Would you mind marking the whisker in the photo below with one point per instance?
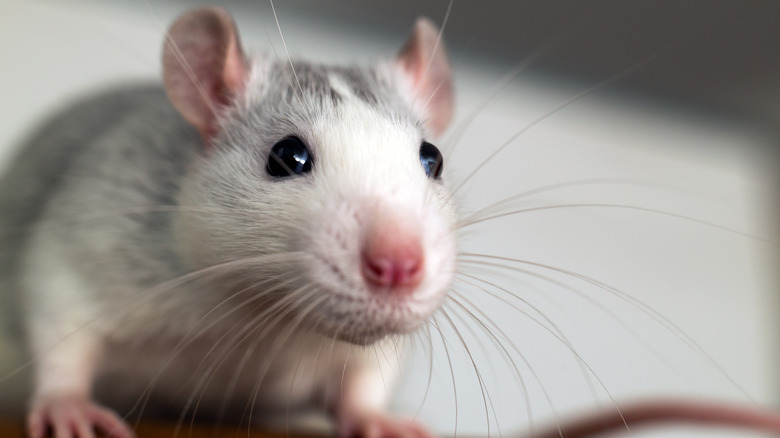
(430, 370)
(284, 44)
(281, 340)
(457, 134)
(140, 209)
(292, 385)
(456, 300)
(574, 183)
(343, 376)
(435, 49)
(252, 326)
(435, 324)
(454, 66)
(135, 301)
(496, 343)
(561, 339)
(259, 333)
(381, 373)
(189, 71)
(580, 294)
(623, 207)
(480, 380)
(568, 344)
(595, 303)
(255, 322)
(648, 310)
(462, 297)
(577, 97)
(279, 58)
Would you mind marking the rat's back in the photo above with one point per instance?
(63, 149)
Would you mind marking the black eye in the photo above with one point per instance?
(289, 157)
(431, 160)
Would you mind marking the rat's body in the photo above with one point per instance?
(234, 242)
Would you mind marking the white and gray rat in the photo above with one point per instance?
(237, 237)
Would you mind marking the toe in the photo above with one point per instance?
(109, 422)
(36, 424)
(60, 424)
(83, 427)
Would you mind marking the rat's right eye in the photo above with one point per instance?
(289, 157)
(431, 160)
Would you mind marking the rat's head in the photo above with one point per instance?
(321, 187)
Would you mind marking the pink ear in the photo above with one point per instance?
(430, 73)
(203, 66)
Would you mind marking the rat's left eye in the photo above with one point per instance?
(289, 157)
(431, 160)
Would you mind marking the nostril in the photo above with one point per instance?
(393, 266)
(409, 271)
(377, 270)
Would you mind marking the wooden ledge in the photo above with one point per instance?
(13, 428)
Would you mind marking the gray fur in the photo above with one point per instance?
(69, 151)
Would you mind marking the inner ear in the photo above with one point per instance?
(425, 63)
(204, 66)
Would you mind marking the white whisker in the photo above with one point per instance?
(485, 395)
(284, 45)
(577, 97)
(648, 310)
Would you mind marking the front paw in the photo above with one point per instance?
(70, 416)
(378, 425)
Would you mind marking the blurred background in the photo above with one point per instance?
(688, 124)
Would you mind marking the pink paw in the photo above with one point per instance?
(74, 417)
(375, 425)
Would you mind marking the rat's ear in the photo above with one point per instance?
(203, 66)
(431, 77)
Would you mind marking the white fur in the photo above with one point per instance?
(372, 168)
(295, 242)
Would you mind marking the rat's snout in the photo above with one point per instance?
(383, 262)
(392, 257)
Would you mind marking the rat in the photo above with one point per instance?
(299, 210)
(256, 234)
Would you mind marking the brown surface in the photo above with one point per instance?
(15, 429)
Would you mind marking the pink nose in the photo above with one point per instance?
(392, 261)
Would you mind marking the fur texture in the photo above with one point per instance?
(148, 259)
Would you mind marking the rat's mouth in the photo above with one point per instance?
(369, 320)
(363, 339)
(356, 308)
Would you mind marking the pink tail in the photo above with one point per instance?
(666, 412)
